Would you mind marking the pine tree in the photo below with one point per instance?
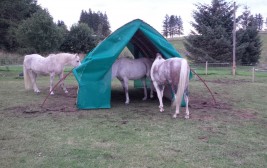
(259, 21)
(212, 38)
(165, 31)
(248, 39)
(179, 26)
(172, 23)
(97, 21)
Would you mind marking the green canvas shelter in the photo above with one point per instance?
(94, 74)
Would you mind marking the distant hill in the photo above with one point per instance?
(178, 44)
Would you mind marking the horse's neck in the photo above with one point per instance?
(63, 60)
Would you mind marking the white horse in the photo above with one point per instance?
(175, 72)
(126, 69)
(52, 65)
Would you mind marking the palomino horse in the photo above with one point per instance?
(52, 65)
(126, 69)
(175, 72)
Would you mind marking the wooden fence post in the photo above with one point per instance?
(206, 67)
(253, 74)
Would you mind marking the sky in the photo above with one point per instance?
(120, 12)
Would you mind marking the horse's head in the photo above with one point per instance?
(76, 61)
(159, 59)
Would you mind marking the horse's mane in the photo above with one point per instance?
(60, 56)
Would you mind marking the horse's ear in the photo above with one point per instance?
(158, 55)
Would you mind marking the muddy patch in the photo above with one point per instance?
(201, 109)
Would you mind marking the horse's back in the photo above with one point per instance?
(32, 59)
(32, 56)
(168, 71)
(37, 63)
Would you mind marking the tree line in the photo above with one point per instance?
(211, 39)
(172, 25)
(25, 27)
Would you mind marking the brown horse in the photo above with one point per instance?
(175, 72)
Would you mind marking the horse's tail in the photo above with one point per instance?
(27, 79)
(182, 82)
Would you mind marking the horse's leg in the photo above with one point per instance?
(151, 89)
(125, 83)
(162, 91)
(177, 111)
(33, 80)
(145, 89)
(52, 76)
(186, 97)
(61, 75)
(159, 93)
(125, 90)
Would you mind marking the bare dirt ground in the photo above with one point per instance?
(200, 109)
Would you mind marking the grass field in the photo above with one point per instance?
(232, 133)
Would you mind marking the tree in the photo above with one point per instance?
(98, 22)
(172, 23)
(259, 21)
(248, 40)
(179, 26)
(12, 13)
(243, 20)
(81, 39)
(212, 38)
(166, 26)
(172, 26)
(39, 34)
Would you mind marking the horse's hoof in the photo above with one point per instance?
(126, 103)
(144, 98)
(66, 92)
(174, 116)
(161, 110)
(52, 93)
(186, 117)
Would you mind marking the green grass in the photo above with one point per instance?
(230, 134)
